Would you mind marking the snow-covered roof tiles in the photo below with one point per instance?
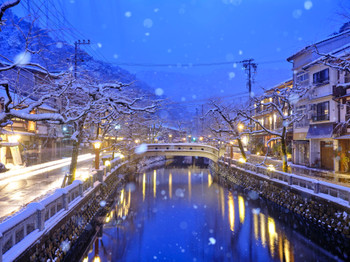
(343, 51)
(347, 32)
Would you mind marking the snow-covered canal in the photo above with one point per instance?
(181, 215)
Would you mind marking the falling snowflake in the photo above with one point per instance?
(212, 241)
(159, 92)
(128, 14)
(297, 13)
(115, 56)
(99, 45)
(148, 23)
(240, 52)
(65, 246)
(22, 58)
(231, 75)
(141, 149)
(59, 45)
(130, 187)
(103, 203)
(307, 5)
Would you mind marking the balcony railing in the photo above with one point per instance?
(320, 117)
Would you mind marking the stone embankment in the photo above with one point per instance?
(325, 215)
(66, 240)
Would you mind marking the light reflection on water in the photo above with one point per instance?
(181, 215)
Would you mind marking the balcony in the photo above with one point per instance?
(320, 117)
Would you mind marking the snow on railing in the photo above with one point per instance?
(329, 191)
(37, 216)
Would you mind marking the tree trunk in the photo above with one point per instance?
(241, 148)
(284, 151)
(75, 152)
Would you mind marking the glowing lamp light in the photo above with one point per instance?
(201, 138)
(97, 145)
(107, 163)
(170, 135)
(258, 153)
(271, 168)
(240, 127)
(14, 138)
(137, 141)
(242, 160)
(245, 140)
(97, 259)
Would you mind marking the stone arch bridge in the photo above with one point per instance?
(183, 149)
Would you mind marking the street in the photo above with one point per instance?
(25, 185)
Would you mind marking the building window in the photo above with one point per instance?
(322, 112)
(302, 78)
(301, 111)
(347, 77)
(321, 77)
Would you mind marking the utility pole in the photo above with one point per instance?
(76, 44)
(249, 65)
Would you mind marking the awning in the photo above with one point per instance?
(320, 131)
(343, 137)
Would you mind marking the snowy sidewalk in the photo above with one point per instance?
(320, 174)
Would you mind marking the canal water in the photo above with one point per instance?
(181, 215)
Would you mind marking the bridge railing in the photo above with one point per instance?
(183, 147)
(332, 192)
(39, 215)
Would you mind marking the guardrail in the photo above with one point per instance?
(332, 192)
(36, 217)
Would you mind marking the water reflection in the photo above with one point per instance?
(201, 221)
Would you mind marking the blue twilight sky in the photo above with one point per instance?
(180, 34)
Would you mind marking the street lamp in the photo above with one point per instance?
(170, 137)
(97, 146)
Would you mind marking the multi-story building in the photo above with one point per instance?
(270, 119)
(313, 137)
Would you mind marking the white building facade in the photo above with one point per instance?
(314, 140)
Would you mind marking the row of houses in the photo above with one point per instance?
(322, 138)
(27, 142)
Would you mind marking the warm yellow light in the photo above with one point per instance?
(231, 211)
(184, 139)
(86, 259)
(84, 175)
(121, 156)
(97, 259)
(242, 160)
(271, 168)
(170, 135)
(245, 140)
(137, 141)
(108, 219)
(120, 138)
(258, 153)
(14, 138)
(201, 138)
(189, 135)
(97, 145)
(241, 208)
(231, 142)
(107, 163)
(240, 127)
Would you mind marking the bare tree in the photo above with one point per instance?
(230, 123)
(7, 5)
(278, 101)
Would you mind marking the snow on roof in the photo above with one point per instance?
(338, 53)
(317, 43)
(15, 98)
